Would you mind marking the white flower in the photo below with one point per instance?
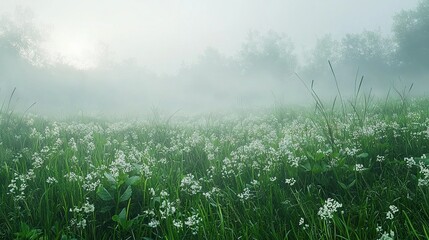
(328, 209)
(245, 195)
(387, 236)
(272, 179)
(190, 185)
(177, 223)
(410, 161)
(192, 222)
(290, 181)
(254, 182)
(51, 180)
(153, 223)
(303, 224)
(391, 212)
(359, 167)
(380, 158)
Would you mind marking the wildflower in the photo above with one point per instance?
(245, 195)
(424, 172)
(164, 194)
(192, 222)
(51, 180)
(254, 182)
(359, 167)
(328, 209)
(272, 179)
(78, 224)
(73, 177)
(380, 158)
(303, 224)
(167, 209)
(409, 161)
(351, 151)
(391, 212)
(37, 160)
(72, 144)
(387, 236)
(177, 223)
(290, 181)
(153, 223)
(190, 185)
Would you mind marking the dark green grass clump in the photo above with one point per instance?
(358, 173)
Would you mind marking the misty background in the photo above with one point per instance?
(200, 56)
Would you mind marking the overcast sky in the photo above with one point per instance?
(161, 35)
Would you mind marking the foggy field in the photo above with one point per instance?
(300, 173)
(199, 119)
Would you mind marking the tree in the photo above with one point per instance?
(20, 39)
(270, 55)
(411, 30)
(369, 50)
(326, 48)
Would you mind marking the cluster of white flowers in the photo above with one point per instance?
(85, 208)
(73, 177)
(290, 181)
(380, 158)
(387, 236)
(232, 167)
(177, 223)
(193, 223)
(153, 223)
(168, 208)
(254, 182)
(81, 214)
(424, 175)
(190, 185)
(51, 180)
(328, 209)
(91, 182)
(214, 192)
(120, 164)
(245, 195)
(303, 224)
(351, 152)
(74, 222)
(19, 184)
(37, 160)
(410, 161)
(359, 167)
(72, 144)
(390, 214)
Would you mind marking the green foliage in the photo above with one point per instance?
(335, 172)
(412, 36)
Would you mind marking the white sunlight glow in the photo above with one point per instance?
(77, 51)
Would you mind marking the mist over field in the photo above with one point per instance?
(197, 119)
(130, 58)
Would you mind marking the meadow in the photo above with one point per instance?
(356, 170)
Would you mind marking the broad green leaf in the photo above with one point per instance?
(104, 194)
(126, 195)
(132, 180)
(106, 209)
(342, 185)
(352, 184)
(362, 155)
(110, 178)
(123, 214)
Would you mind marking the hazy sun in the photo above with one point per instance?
(76, 51)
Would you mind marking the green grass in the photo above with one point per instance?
(233, 177)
